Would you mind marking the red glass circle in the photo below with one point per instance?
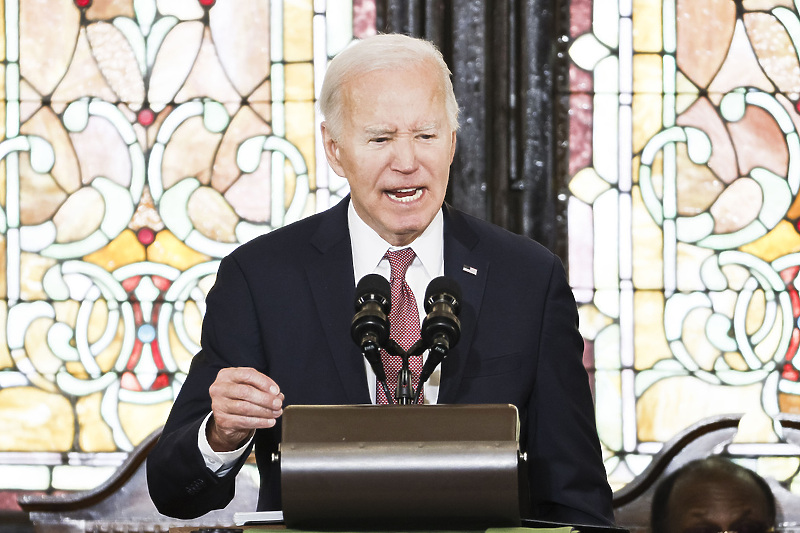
(83, 3)
(146, 236)
(146, 117)
(207, 3)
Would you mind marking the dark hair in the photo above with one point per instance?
(658, 512)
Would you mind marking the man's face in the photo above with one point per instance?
(395, 150)
(706, 502)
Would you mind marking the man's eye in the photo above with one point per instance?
(427, 136)
(380, 140)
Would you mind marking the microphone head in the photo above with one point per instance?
(442, 288)
(376, 288)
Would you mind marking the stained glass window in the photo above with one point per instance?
(683, 220)
(142, 140)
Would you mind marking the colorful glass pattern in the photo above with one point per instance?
(142, 140)
(683, 220)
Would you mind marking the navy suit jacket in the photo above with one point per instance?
(283, 304)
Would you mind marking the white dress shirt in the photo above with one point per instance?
(368, 251)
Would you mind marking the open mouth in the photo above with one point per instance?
(405, 195)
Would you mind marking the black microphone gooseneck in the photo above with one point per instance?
(370, 326)
(441, 328)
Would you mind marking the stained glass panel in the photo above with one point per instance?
(687, 184)
(142, 141)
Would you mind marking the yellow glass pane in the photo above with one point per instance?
(32, 269)
(3, 270)
(646, 26)
(66, 311)
(650, 344)
(3, 34)
(123, 250)
(690, 260)
(298, 34)
(139, 421)
(647, 247)
(38, 350)
(698, 186)
(108, 357)
(171, 251)
(647, 116)
(592, 321)
(695, 341)
(32, 420)
(299, 82)
(673, 404)
(300, 130)
(94, 435)
(781, 240)
(647, 74)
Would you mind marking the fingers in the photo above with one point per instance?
(242, 400)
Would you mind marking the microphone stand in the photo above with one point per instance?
(404, 393)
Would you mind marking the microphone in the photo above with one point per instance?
(370, 326)
(441, 328)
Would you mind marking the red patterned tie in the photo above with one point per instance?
(403, 321)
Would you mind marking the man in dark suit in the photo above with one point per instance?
(277, 325)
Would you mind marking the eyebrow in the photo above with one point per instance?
(379, 130)
(384, 130)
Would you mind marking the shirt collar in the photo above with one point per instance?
(369, 248)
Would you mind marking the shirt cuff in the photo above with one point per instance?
(220, 463)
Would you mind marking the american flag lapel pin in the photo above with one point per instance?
(470, 270)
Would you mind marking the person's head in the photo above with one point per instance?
(712, 495)
(390, 129)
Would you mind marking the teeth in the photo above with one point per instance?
(406, 195)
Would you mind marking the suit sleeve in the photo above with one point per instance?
(567, 477)
(179, 483)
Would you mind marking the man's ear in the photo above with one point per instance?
(331, 150)
(452, 146)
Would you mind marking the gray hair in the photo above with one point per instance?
(379, 52)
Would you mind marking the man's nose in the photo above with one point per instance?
(405, 156)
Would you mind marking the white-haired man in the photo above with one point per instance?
(277, 326)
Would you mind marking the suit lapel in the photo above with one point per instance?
(470, 269)
(333, 285)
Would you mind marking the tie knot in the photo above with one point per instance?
(399, 261)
